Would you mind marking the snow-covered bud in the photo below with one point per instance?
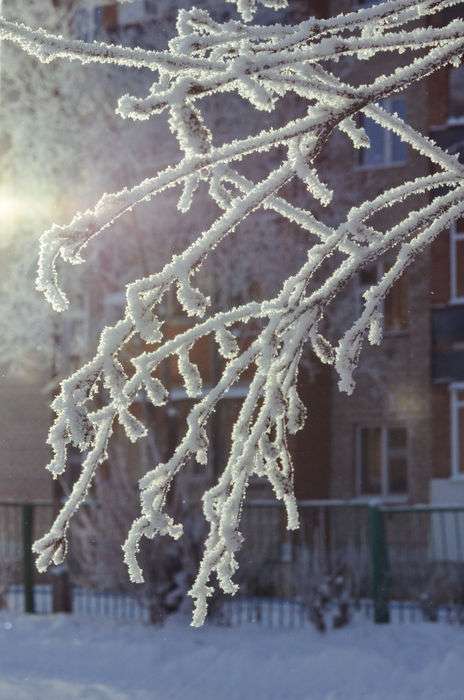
(155, 479)
(357, 134)
(60, 553)
(187, 123)
(228, 345)
(296, 412)
(348, 353)
(49, 548)
(57, 465)
(81, 430)
(148, 325)
(323, 349)
(115, 377)
(192, 300)
(259, 465)
(190, 374)
(133, 427)
(279, 406)
(268, 449)
(376, 328)
(190, 187)
(315, 186)
(156, 391)
(291, 509)
(259, 95)
(201, 446)
(247, 8)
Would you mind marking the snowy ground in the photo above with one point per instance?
(59, 658)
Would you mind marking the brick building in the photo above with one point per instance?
(399, 436)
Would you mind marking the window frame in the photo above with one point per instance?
(455, 406)
(455, 235)
(385, 494)
(388, 137)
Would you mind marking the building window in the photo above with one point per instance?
(386, 148)
(382, 462)
(395, 306)
(457, 262)
(85, 23)
(456, 94)
(457, 430)
(133, 13)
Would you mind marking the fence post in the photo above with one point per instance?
(28, 562)
(379, 564)
(61, 591)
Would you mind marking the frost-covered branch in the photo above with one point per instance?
(262, 64)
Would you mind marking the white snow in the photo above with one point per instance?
(58, 657)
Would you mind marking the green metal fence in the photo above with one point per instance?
(387, 561)
(20, 524)
(402, 562)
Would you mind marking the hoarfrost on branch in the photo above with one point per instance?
(261, 64)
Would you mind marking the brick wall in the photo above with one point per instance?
(393, 381)
(24, 423)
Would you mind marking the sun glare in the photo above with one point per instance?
(11, 209)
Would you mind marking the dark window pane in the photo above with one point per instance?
(459, 262)
(456, 92)
(386, 147)
(368, 276)
(371, 461)
(399, 150)
(375, 155)
(397, 438)
(398, 475)
(461, 440)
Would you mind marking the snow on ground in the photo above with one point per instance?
(59, 658)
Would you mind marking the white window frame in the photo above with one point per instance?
(455, 406)
(388, 137)
(385, 495)
(454, 237)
